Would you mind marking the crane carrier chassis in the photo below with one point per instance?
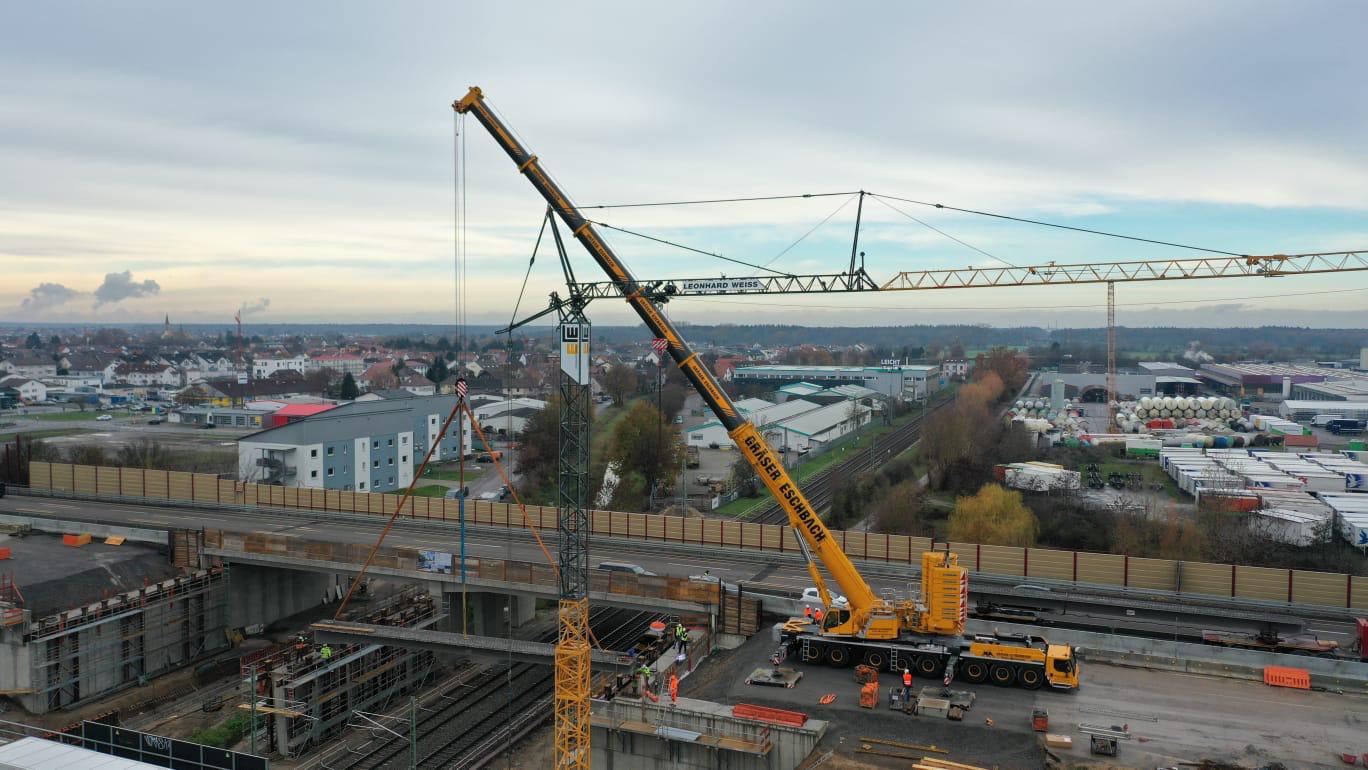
(1004, 660)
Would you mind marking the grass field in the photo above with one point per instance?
(1148, 469)
(7, 433)
(451, 472)
(70, 416)
(431, 490)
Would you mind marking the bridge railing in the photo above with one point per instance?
(1187, 577)
(501, 570)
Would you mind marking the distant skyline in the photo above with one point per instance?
(296, 162)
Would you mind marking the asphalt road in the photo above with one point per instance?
(1172, 717)
(1075, 609)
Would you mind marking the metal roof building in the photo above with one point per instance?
(40, 754)
(894, 381)
(367, 446)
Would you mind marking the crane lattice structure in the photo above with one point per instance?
(867, 616)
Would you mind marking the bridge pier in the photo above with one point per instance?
(267, 594)
(489, 613)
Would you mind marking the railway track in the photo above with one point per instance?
(490, 710)
(821, 486)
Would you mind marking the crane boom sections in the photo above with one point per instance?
(802, 516)
(1145, 270)
(987, 277)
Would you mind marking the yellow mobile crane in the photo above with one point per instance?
(925, 633)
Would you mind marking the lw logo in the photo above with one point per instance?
(570, 339)
(1363, 537)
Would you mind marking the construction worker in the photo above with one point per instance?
(907, 686)
(681, 639)
(674, 688)
(643, 679)
(807, 612)
(325, 653)
(817, 616)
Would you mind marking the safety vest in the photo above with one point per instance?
(817, 614)
(907, 679)
(807, 612)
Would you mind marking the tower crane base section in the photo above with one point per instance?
(775, 677)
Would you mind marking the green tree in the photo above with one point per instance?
(899, 511)
(995, 515)
(33, 341)
(87, 454)
(644, 445)
(538, 456)
(437, 370)
(145, 453)
(348, 390)
(620, 381)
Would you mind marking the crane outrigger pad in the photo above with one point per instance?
(775, 676)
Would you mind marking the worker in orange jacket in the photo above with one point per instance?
(907, 685)
(674, 688)
(807, 611)
(817, 616)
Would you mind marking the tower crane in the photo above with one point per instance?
(926, 632)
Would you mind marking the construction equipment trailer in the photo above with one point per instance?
(926, 632)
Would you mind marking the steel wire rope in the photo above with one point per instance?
(1042, 223)
(933, 228)
(814, 229)
(690, 248)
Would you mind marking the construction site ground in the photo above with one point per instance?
(1173, 718)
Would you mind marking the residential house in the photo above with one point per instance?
(417, 384)
(93, 364)
(30, 391)
(32, 364)
(342, 363)
(148, 375)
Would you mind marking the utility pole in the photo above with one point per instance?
(413, 733)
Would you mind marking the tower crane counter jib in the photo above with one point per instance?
(925, 634)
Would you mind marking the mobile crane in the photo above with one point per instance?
(926, 632)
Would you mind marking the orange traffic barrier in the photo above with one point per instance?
(76, 541)
(4, 553)
(767, 714)
(1282, 676)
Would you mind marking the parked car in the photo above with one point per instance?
(490, 497)
(812, 596)
(207, 426)
(457, 494)
(104, 417)
(622, 566)
(155, 421)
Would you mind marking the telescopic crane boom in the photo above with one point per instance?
(866, 609)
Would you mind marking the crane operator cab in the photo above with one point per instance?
(1062, 668)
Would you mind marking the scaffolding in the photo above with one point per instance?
(311, 698)
(121, 641)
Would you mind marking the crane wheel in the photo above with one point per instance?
(974, 671)
(811, 654)
(1030, 678)
(1002, 676)
(838, 656)
(875, 658)
(927, 665)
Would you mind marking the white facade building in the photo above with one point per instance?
(265, 367)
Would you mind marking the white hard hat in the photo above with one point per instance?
(904, 671)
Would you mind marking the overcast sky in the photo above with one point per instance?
(296, 159)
